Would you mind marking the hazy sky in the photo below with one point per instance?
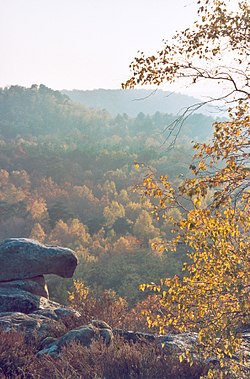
(82, 44)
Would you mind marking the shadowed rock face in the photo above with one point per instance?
(36, 286)
(16, 300)
(22, 258)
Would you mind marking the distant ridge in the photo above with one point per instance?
(135, 101)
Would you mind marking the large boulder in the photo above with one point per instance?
(17, 300)
(36, 286)
(22, 258)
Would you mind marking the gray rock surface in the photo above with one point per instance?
(84, 335)
(16, 300)
(36, 285)
(32, 324)
(132, 336)
(180, 342)
(105, 331)
(58, 313)
(22, 258)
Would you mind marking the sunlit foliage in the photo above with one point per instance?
(212, 298)
(66, 180)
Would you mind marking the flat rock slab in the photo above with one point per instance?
(32, 325)
(58, 314)
(22, 258)
(16, 300)
(36, 285)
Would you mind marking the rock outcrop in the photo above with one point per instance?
(36, 286)
(22, 258)
(23, 264)
(31, 325)
(16, 300)
(25, 304)
(84, 335)
(24, 297)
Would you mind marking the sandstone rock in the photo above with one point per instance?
(46, 342)
(22, 258)
(32, 325)
(100, 324)
(46, 304)
(41, 321)
(49, 313)
(132, 336)
(36, 285)
(84, 335)
(58, 313)
(51, 350)
(105, 331)
(107, 336)
(180, 342)
(16, 300)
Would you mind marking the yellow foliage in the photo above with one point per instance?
(212, 298)
(79, 293)
(38, 233)
(113, 212)
(37, 207)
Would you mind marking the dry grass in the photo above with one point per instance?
(121, 360)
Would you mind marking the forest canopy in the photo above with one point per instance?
(68, 175)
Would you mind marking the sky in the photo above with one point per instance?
(83, 44)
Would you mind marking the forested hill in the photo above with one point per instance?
(67, 177)
(40, 111)
(134, 101)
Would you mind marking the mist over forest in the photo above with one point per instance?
(134, 101)
(68, 177)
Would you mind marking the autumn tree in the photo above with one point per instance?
(144, 228)
(37, 207)
(38, 233)
(113, 212)
(72, 234)
(212, 298)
